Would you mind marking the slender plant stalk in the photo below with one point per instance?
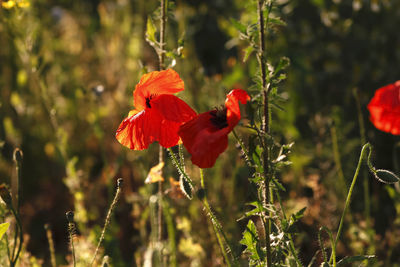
(333, 255)
(171, 233)
(20, 235)
(363, 139)
(108, 218)
(163, 21)
(210, 213)
(49, 235)
(265, 126)
(350, 193)
(161, 56)
(216, 225)
(71, 232)
(180, 167)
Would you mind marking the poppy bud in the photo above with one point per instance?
(5, 195)
(386, 176)
(201, 193)
(120, 182)
(18, 155)
(70, 216)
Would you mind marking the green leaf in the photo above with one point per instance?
(250, 240)
(151, 31)
(239, 26)
(386, 176)
(257, 210)
(284, 62)
(276, 21)
(294, 220)
(3, 228)
(247, 52)
(347, 260)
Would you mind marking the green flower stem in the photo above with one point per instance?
(333, 255)
(265, 122)
(180, 168)
(214, 222)
(349, 194)
(161, 56)
(367, 199)
(21, 237)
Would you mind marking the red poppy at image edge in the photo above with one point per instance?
(384, 108)
(206, 136)
(157, 114)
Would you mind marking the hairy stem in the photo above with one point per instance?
(108, 218)
(161, 56)
(221, 237)
(163, 21)
(213, 222)
(265, 126)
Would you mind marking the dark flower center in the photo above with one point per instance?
(218, 118)
(148, 100)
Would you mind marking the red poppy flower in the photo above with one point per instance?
(384, 108)
(157, 114)
(206, 135)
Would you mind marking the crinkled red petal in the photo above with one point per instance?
(139, 131)
(232, 106)
(384, 109)
(203, 140)
(156, 83)
(173, 108)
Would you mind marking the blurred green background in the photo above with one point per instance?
(67, 73)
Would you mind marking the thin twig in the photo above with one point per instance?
(108, 218)
(49, 235)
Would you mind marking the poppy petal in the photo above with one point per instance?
(145, 127)
(138, 131)
(232, 105)
(156, 83)
(203, 140)
(173, 108)
(384, 109)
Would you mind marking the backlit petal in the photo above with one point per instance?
(173, 108)
(384, 109)
(203, 140)
(138, 131)
(232, 105)
(156, 83)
